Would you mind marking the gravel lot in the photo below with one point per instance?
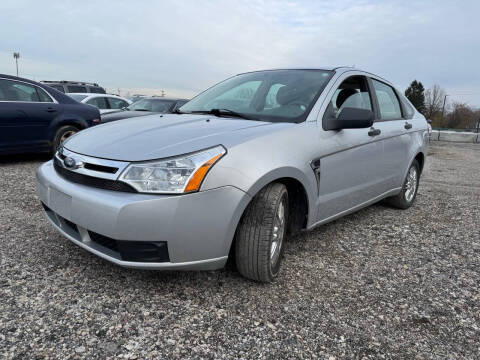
(381, 283)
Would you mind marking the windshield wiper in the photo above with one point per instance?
(223, 112)
(141, 110)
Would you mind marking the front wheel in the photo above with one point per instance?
(63, 134)
(407, 196)
(260, 236)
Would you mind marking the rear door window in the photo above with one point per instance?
(387, 101)
(99, 102)
(26, 92)
(117, 103)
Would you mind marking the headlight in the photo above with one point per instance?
(175, 175)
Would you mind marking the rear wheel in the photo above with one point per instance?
(63, 134)
(260, 236)
(408, 194)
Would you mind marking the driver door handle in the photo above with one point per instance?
(51, 109)
(407, 125)
(374, 132)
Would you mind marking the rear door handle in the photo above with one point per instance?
(408, 125)
(374, 132)
(51, 109)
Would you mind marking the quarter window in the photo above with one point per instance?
(387, 101)
(43, 96)
(409, 112)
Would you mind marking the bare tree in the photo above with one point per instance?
(462, 116)
(434, 98)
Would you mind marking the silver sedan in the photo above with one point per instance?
(236, 170)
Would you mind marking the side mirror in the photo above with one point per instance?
(350, 118)
(429, 121)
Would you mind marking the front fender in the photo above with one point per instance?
(283, 173)
(253, 181)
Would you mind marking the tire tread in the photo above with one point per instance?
(253, 236)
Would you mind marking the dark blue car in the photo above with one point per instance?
(37, 118)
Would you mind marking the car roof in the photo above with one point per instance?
(64, 98)
(95, 94)
(327, 68)
(70, 82)
(11, 77)
(338, 69)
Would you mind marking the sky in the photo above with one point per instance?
(184, 47)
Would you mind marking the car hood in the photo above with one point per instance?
(123, 114)
(155, 136)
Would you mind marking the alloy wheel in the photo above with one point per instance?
(278, 234)
(411, 184)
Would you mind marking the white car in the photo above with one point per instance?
(104, 102)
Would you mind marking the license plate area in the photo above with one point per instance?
(61, 203)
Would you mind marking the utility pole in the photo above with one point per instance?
(478, 130)
(443, 107)
(16, 56)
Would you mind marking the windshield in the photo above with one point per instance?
(154, 105)
(77, 97)
(274, 95)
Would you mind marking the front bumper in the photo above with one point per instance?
(197, 228)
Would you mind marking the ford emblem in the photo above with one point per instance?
(69, 162)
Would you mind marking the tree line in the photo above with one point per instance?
(434, 105)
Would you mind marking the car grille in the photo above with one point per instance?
(92, 181)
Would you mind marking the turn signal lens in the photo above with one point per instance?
(197, 178)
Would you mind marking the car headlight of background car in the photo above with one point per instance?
(176, 175)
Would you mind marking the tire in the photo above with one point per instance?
(406, 197)
(63, 134)
(260, 236)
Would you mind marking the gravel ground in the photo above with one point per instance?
(381, 283)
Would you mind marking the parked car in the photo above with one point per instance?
(103, 102)
(36, 118)
(145, 106)
(66, 86)
(237, 170)
(136, 97)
